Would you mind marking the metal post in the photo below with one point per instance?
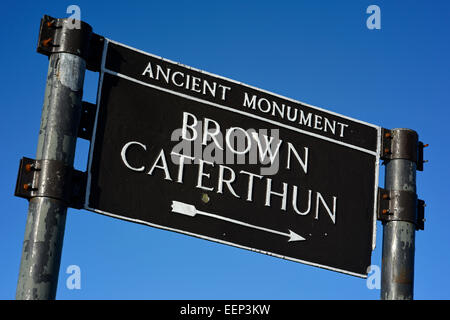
(397, 280)
(41, 253)
(42, 246)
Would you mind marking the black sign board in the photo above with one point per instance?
(192, 152)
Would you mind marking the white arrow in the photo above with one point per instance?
(190, 210)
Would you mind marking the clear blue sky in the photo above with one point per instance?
(318, 52)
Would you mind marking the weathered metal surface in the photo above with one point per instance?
(397, 281)
(52, 179)
(399, 205)
(38, 275)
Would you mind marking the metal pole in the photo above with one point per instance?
(397, 277)
(41, 253)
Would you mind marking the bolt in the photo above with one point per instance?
(205, 198)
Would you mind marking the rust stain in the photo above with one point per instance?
(403, 278)
(46, 42)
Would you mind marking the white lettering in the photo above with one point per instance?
(305, 121)
(196, 84)
(248, 103)
(159, 71)
(123, 154)
(201, 174)
(224, 91)
(211, 133)
(148, 70)
(303, 163)
(181, 165)
(250, 183)
(267, 102)
(230, 145)
(331, 214)
(294, 201)
(317, 122)
(184, 136)
(268, 149)
(173, 78)
(228, 182)
(283, 194)
(163, 166)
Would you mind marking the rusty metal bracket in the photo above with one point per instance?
(70, 36)
(52, 179)
(420, 160)
(395, 205)
(402, 144)
(87, 120)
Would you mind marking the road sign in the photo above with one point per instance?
(188, 151)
